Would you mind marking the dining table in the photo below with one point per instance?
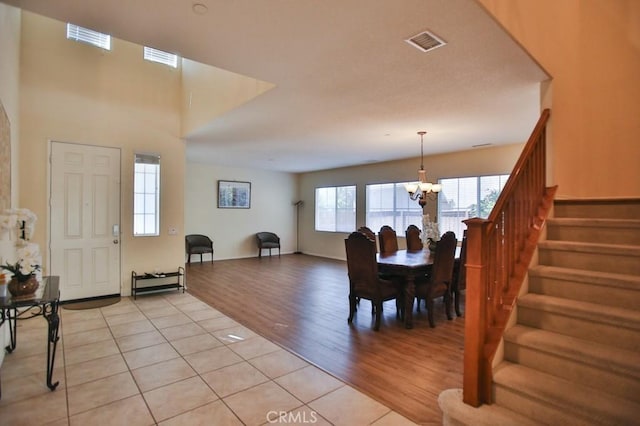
(408, 265)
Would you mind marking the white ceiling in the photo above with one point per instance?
(349, 90)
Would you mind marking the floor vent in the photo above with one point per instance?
(426, 41)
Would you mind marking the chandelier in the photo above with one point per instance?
(420, 190)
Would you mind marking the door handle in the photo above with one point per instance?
(115, 241)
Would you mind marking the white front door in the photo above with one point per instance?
(85, 220)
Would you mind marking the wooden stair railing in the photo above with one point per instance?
(499, 250)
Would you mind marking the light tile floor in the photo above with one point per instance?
(170, 359)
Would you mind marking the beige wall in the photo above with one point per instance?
(208, 92)
(73, 92)
(233, 230)
(592, 50)
(482, 161)
(9, 81)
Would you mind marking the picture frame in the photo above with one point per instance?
(234, 194)
(5, 159)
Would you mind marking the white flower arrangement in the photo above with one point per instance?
(6, 222)
(24, 220)
(430, 230)
(30, 253)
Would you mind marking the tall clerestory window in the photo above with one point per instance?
(85, 35)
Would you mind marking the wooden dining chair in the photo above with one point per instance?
(368, 232)
(372, 236)
(364, 282)
(412, 234)
(388, 239)
(439, 281)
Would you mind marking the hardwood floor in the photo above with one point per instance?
(301, 303)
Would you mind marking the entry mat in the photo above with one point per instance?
(91, 303)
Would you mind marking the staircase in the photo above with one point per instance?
(573, 357)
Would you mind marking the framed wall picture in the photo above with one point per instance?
(5, 160)
(234, 195)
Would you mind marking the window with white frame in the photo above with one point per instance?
(161, 57)
(85, 35)
(146, 195)
(466, 197)
(389, 204)
(336, 209)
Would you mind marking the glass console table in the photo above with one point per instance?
(45, 302)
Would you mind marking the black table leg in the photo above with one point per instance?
(13, 329)
(53, 321)
(6, 316)
(2, 315)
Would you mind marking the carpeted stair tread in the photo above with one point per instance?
(597, 208)
(592, 312)
(598, 248)
(450, 402)
(588, 404)
(617, 360)
(608, 279)
(595, 222)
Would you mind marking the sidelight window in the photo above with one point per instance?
(146, 195)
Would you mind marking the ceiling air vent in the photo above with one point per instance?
(426, 41)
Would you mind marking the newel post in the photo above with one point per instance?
(475, 323)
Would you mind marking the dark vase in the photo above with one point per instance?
(25, 289)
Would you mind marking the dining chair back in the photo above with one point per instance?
(439, 281)
(372, 236)
(364, 282)
(388, 239)
(412, 234)
(369, 233)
